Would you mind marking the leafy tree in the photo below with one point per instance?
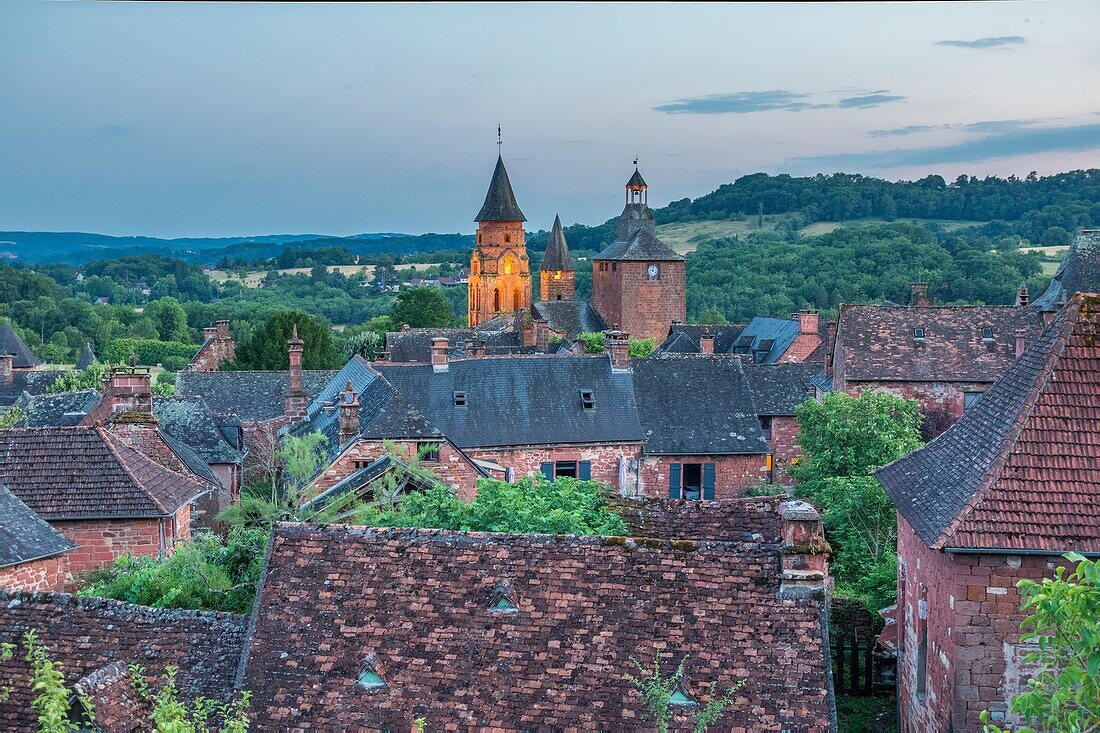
(422, 308)
(171, 715)
(13, 417)
(170, 319)
(266, 346)
(89, 378)
(1064, 621)
(845, 438)
(1056, 236)
(594, 343)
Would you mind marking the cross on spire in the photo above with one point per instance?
(499, 143)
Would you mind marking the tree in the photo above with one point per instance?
(265, 348)
(422, 308)
(90, 378)
(845, 438)
(170, 319)
(1064, 621)
(1056, 237)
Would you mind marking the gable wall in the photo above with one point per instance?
(101, 541)
(51, 573)
(732, 474)
(453, 469)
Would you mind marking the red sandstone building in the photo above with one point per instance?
(32, 553)
(999, 497)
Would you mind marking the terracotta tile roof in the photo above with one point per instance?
(87, 635)
(415, 607)
(1020, 469)
(85, 472)
(24, 536)
(877, 343)
(750, 519)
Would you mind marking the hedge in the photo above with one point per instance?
(148, 351)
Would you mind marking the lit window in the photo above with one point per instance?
(588, 399)
(460, 398)
(369, 679)
(557, 274)
(918, 333)
(507, 265)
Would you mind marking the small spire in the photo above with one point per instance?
(294, 335)
(557, 256)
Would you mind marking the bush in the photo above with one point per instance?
(175, 363)
(148, 351)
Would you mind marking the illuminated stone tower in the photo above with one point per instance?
(557, 276)
(500, 274)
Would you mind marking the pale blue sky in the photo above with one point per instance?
(175, 120)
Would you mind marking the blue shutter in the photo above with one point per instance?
(547, 468)
(708, 481)
(674, 481)
(584, 472)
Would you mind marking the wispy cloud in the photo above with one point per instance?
(1013, 138)
(773, 100)
(869, 100)
(738, 103)
(983, 44)
(907, 130)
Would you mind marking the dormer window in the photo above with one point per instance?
(588, 399)
(460, 398)
(681, 699)
(918, 334)
(503, 600)
(987, 333)
(369, 679)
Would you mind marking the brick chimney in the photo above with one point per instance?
(617, 345)
(129, 390)
(222, 329)
(1021, 344)
(440, 348)
(706, 342)
(804, 553)
(830, 340)
(918, 294)
(295, 402)
(808, 321)
(208, 333)
(477, 348)
(5, 367)
(1022, 297)
(542, 335)
(349, 413)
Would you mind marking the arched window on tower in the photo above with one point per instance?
(507, 238)
(507, 265)
(517, 299)
(496, 300)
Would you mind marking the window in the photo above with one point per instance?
(691, 481)
(507, 240)
(970, 399)
(517, 299)
(614, 266)
(370, 679)
(460, 398)
(588, 399)
(918, 334)
(570, 469)
(496, 300)
(503, 599)
(507, 265)
(565, 468)
(428, 452)
(987, 333)
(766, 426)
(358, 463)
(559, 296)
(679, 698)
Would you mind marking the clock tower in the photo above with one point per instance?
(639, 284)
(500, 274)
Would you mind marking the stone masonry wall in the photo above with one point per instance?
(605, 459)
(100, 541)
(452, 468)
(784, 447)
(972, 633)
(51, 573)
(732, 474)
(628, 300)
(215, 352)
(930, 396)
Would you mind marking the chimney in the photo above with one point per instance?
(918, 294)
(349, 414)
(128, 390)
(222, 329)
(477, 348)
(807, 322)
(5, 367)
(1020, 342)
(405, 328)
(1022, 297)
(542, 335)
(617, 344)
(294, 402)
(209, 333)
(440, 348)
(804, 553)
(830, 340)
(706, 342)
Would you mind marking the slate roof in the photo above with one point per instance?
(636, 180)
(500, 202)
(764, 338)
(24, 536)
(414, 607)
(1019, 470)
(876, 343)
(569, 317)
(87, 635)
(1078, 273)
(415, 345)
(85, 473)
(530, 401)
(252, 396)
(189, 420)
(696, 405)
(642, 245)
(87, 358)
(557, 251)
(61, 408)
(778, 389)
(26, 383)
(683, 338)
(10, 343)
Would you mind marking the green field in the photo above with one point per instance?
(254, 278)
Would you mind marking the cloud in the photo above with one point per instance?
(907, 130)
(1012, 138)
(868, 100)
(738, 103)
(982, 44)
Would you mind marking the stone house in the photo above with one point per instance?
(999, 497)
(218, 347)
(944, 357)
(763, 340)
(777, 391)
(539, 631)
(20, 375)
(32, 553)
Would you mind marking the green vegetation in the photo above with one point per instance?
(266, 345)
(594, 343)
(846, 438)
(662, 693)
(865, 714)
(1064, 622)
(422, 308)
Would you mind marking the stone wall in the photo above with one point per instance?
(453, 468)
(784, 446)
(963, 610)
(732, 474)
(527, 461)
(946, 397)
(216, 351)
(51, 573)
(751, 519)
(100, 541)
(628, 300)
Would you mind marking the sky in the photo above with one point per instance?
(228, 120)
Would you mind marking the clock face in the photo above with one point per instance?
(652, 272)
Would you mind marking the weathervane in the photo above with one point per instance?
(499, 143)
(635, 161)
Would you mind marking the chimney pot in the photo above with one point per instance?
(209, 333)
(617, 345)
(1022, 296)
(222, 329)
(1021, 338)
(804, 555)
(808, 321)
(349, 413)
(440, 349)
(706, 342)
(542, 335)
(129, 390)
(918, 294)
(6, 367)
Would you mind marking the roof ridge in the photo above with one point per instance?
(1023, 415)
(92, 603)
(119, 451)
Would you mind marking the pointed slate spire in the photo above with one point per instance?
(636, 181)
(500, 203)
(11, 344)
(87, 358)
(557, 256)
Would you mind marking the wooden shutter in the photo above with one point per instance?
(674, 481)
(547, 468)
(584, 470)
(708, 481)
